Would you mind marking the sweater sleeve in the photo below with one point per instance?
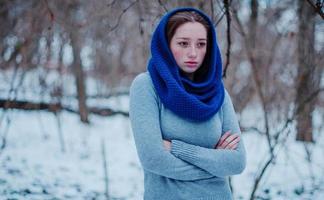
(144, 117)
(219, 162)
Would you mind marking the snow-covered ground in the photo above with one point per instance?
(33, 165)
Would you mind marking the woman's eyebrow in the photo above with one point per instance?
(185, 38)
(182, 38)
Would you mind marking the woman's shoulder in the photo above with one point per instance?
(143, 77)
(227, 98)
(142, 82)
(142, 89)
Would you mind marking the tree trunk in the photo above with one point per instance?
(79, 76)
(307, 80)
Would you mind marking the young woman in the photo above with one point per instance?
(184, 124)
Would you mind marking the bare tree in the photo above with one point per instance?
(75, 34)
(307, 80)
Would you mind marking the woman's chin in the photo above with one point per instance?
(189, 70)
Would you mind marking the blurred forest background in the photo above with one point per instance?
(60, 55)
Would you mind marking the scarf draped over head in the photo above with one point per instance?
(198, 101)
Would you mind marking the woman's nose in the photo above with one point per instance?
(192, 52)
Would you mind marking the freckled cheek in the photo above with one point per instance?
(202, 55)
(177, 55)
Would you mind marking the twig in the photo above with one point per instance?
(111, 3)
(12, 91)
(60, 132)
(163, 6)
(213, 13)
(212, 10)
(155, 19)
(280, 143)
(258, 179)
(220, 19)
(307, 100)
(229, 42)
(297, 111)
(105, 167)
(120, 16)
(50, 12)
(251, 53)
(273, 156)
(317, 7)
(239, 23)
(4, 137)
(309, 162)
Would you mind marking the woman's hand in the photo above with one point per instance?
(228, 141)
(167, 145)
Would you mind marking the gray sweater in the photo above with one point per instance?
(193, 169)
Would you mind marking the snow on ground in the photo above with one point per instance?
(33, 166)
(290, 177)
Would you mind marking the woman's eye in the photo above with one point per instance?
(183, 44)
(201, 44)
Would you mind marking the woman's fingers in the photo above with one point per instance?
(223, 138)
(233, 144)
(167, 144)
(229, 139)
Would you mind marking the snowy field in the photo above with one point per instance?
(33, 164)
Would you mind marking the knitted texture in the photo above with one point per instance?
(192, 169)
(197, 101)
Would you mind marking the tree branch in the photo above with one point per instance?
(220, 19)
(163, 6)
(307, 100)
(50, 13)
(239, 23)
(258, 179)
(229, 42)
(55, 107)
(317, 7)
(212, 10)
(111, 3)
(120, 16)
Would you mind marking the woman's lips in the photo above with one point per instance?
(191, 64)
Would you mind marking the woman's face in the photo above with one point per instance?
(188, 46)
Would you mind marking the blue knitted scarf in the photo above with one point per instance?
(197, 101)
